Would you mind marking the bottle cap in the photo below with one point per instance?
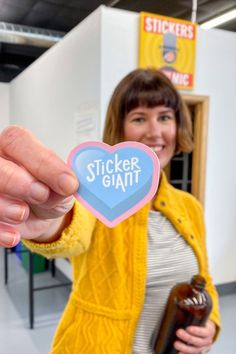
(198, 282)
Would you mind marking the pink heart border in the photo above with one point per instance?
(109, 148)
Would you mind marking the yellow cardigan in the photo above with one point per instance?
(109, 272)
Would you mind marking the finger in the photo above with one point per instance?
(13, 211)
(20, 145)
(194, 340)
(16, 182)
(186, 349)
(201, 351)
(201, 331)
(53, 208)
(9, 237)
(55, 200)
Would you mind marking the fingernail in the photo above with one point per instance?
(9, 239)
(180, 332)
(67, 183)
(14, 241)
(38, 192)
(15, 212)
(190, 329)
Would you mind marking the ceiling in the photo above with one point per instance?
(63, 15)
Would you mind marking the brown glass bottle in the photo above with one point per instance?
(188, 304)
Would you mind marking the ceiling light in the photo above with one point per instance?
(219, 20)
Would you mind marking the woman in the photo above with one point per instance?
(121, 276)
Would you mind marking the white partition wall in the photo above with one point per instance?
(4, 105)
(215, 77)
(62, 88)
(63, 96)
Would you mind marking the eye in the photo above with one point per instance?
(138, 120)
(165, 117)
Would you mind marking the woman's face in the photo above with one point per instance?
(155, 127)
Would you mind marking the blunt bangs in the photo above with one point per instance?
(148, 92)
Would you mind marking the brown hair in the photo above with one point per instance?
(149, 88)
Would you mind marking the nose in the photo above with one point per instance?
(154, 129)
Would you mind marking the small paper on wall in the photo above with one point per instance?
(86, 124)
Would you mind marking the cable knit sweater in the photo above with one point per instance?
(109, 272)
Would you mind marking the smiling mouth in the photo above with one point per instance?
(157, 148)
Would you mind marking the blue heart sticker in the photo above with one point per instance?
(115, 181)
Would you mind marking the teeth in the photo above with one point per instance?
(157, 148)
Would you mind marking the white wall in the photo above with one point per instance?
(4, 105)
(119, 53)
(215, 77)
(61, 86)
(76, 78)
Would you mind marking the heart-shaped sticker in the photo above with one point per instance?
(115, 181)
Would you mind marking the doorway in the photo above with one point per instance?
(188, 171)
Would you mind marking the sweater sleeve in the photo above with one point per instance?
(210, 287)
(74, 239)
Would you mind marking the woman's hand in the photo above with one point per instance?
(195, 340)
(36, 188)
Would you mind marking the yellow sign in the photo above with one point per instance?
(168, 44)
